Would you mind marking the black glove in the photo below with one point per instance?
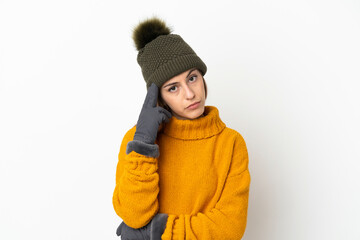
(150, 118)
(152, 231)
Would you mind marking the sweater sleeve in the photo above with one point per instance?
(137, 186)
(227, 220)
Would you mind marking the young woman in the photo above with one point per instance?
(181, 174)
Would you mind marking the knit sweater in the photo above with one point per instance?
(200, 179)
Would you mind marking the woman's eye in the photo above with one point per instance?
(193, 77)
(171, 88)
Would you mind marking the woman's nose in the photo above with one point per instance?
(189, 93)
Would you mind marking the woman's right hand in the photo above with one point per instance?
(151, 116)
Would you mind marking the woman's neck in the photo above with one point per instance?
(206, 125)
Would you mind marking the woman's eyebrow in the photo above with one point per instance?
(178, 82)
(191, 71)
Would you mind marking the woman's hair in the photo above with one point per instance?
(162, 103)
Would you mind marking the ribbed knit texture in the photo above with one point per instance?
(165, 57)
(201, 180)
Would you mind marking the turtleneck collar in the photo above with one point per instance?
(203, 127)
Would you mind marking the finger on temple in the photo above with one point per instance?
(151, 96)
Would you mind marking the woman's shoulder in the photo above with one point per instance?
(235, 135)
(130, 133)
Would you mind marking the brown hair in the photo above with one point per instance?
(162, 103)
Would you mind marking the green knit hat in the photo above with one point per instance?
(163, 55)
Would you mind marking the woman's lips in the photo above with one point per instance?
(195, 105)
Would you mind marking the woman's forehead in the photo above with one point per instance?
(182, 75)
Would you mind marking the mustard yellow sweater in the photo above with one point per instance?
(201, 180)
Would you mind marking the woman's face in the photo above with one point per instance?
(183, 90)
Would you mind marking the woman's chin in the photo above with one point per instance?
(194, 113)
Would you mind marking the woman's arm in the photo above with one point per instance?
(137, 181)
(137, 185)
(227, 220)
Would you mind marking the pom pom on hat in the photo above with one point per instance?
(148, 30)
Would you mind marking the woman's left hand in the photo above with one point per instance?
(153, 230)
(128, 233)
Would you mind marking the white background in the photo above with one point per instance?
(284, 74)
